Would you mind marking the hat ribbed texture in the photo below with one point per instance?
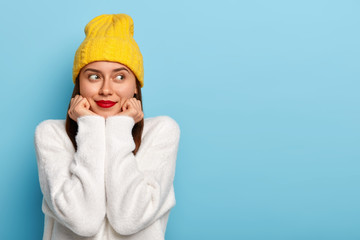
(109, 37)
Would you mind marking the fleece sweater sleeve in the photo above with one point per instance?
(73, 183)
(135, 198)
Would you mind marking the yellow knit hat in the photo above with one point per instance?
(109, 37)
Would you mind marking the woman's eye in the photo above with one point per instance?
(119, 77)
(93, 77)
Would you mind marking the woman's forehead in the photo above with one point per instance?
(105, 65)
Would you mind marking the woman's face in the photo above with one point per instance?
(106, 81)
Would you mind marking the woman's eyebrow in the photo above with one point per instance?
(119, 69)
(94, 70)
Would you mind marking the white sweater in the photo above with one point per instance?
(102, 191)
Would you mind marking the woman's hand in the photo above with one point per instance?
(79, 106)
(132, 108)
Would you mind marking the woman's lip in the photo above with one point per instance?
(105, 104)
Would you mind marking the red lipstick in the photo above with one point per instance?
(105, 104)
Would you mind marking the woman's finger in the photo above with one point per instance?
(85, 103)
(139, 104)
(78, 99)
(140, 113)
(75, 101)
(135, 101)
(126, 105)
(136, 104)
(133, 105)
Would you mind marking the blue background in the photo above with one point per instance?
(266, 94)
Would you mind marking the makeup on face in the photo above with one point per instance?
(107, 85)
(105, 104)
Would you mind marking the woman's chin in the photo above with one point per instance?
(106, 112)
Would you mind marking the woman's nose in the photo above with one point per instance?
(106, 88)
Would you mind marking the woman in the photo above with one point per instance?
(105, 172)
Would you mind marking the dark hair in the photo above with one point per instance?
(72, 126)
